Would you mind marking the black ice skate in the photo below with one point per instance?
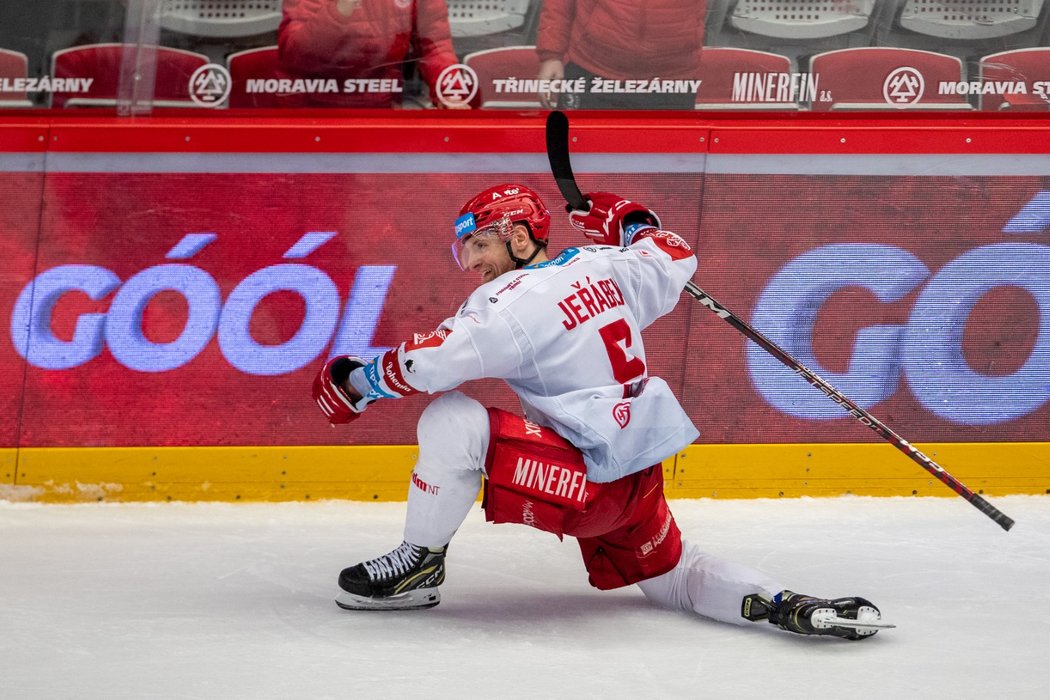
(849, 618)
(405, 579)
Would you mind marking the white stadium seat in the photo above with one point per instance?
(970, 19)
(220, 18)
(481, 17)
(801, 19)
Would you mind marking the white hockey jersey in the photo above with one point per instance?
(565, 334)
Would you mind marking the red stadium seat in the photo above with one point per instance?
(739, 79)
(518, 62)
(102, 64)
(1006, 70)
(252, 64)
(885, 78)
(14, 65)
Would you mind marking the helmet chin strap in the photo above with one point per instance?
(522, 262)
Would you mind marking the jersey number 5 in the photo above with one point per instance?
(617, 339)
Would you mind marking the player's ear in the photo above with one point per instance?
(520, 239)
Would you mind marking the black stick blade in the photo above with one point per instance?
(561, 166)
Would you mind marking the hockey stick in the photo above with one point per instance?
(558, 154)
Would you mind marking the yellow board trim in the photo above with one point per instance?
(878, 469)
(360, 473)
(381, 473)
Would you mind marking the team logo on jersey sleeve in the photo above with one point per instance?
(671, 243)
(622, 413)
(427, 340)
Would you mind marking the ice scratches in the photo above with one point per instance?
(76, 490)
(97, 491)
(19, 494)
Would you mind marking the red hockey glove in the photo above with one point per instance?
(336, 404)
(608, 216)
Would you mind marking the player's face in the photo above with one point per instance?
(487, 256)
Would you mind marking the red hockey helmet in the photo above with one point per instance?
(496, 210)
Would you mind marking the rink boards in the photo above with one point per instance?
(372, 473)
(171, 286)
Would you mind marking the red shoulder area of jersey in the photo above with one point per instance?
(671, 243)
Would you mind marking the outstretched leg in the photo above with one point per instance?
(737, 594)
(708, 585)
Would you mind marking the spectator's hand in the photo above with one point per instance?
(607, 217)
(551, 69)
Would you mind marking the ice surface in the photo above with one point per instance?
(235, 601)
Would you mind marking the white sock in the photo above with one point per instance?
(708, 586)
(453, 435)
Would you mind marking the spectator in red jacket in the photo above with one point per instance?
(363, 45)
(605, 41)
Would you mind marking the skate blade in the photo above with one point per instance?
(418, 599)
(869, 621)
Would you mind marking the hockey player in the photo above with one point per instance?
(565, 334)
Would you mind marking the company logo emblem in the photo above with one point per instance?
(457, 85)
(424, 486)
(651, 546)
(528, 517)
(426, 340)
(465, 224)
(904, 86)
(622, 413)
(532, 429)
(210, 85)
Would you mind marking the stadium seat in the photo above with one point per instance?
(481, 17)
(722, 86)
(220, 18)
(249, 64)
(102, 63)
(873, 78)
(970, 19)
(1025, 66)
(801, 19)
(519, 62)
(14, 65)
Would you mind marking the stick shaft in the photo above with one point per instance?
(850, 407)
(557, 134)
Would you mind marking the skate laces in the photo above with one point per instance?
(396, 563)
